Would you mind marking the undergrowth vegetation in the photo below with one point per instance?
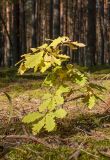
(60, 75)
(71, 131)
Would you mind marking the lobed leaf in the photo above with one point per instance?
(34, 49)
(62, 89)
(31, 117)
(80, 79)
(91, 102)
(50, 122)
(59, 100)
(60, 113)
(78, 44)
(46, 66)
(33, 61)
(38, 126)
(22, 69)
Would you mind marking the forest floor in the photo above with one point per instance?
(83, 135)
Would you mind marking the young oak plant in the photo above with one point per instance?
(61, 79)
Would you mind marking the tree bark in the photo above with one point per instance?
(56, 18)
(23, 46)
(91, 33)
(34, 23)
(16, 33)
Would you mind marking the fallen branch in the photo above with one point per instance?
(105, 153)
(90, 154)
(77, 153)
(26, 137)
(74, 98)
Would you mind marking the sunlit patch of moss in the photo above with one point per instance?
(16, 90)
(37, 93)
(2, 84)
(20, 87)
(90, 150)
(106, 83)
(39, 152)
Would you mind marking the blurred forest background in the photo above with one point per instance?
(27, 23)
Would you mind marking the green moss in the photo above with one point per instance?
(39, 152)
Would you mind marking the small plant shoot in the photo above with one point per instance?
(62, 80)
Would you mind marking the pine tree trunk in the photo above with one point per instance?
(1, 36)
(91, 33)
(56, 18)
(16, 33)
(34, 23)
(7, 43)
(23, 46)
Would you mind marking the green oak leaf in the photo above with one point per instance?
(38, 126)
(91, 102)
(60, 113)
(33, 61)
(31, 117)
(62, 89)
(50, 122)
